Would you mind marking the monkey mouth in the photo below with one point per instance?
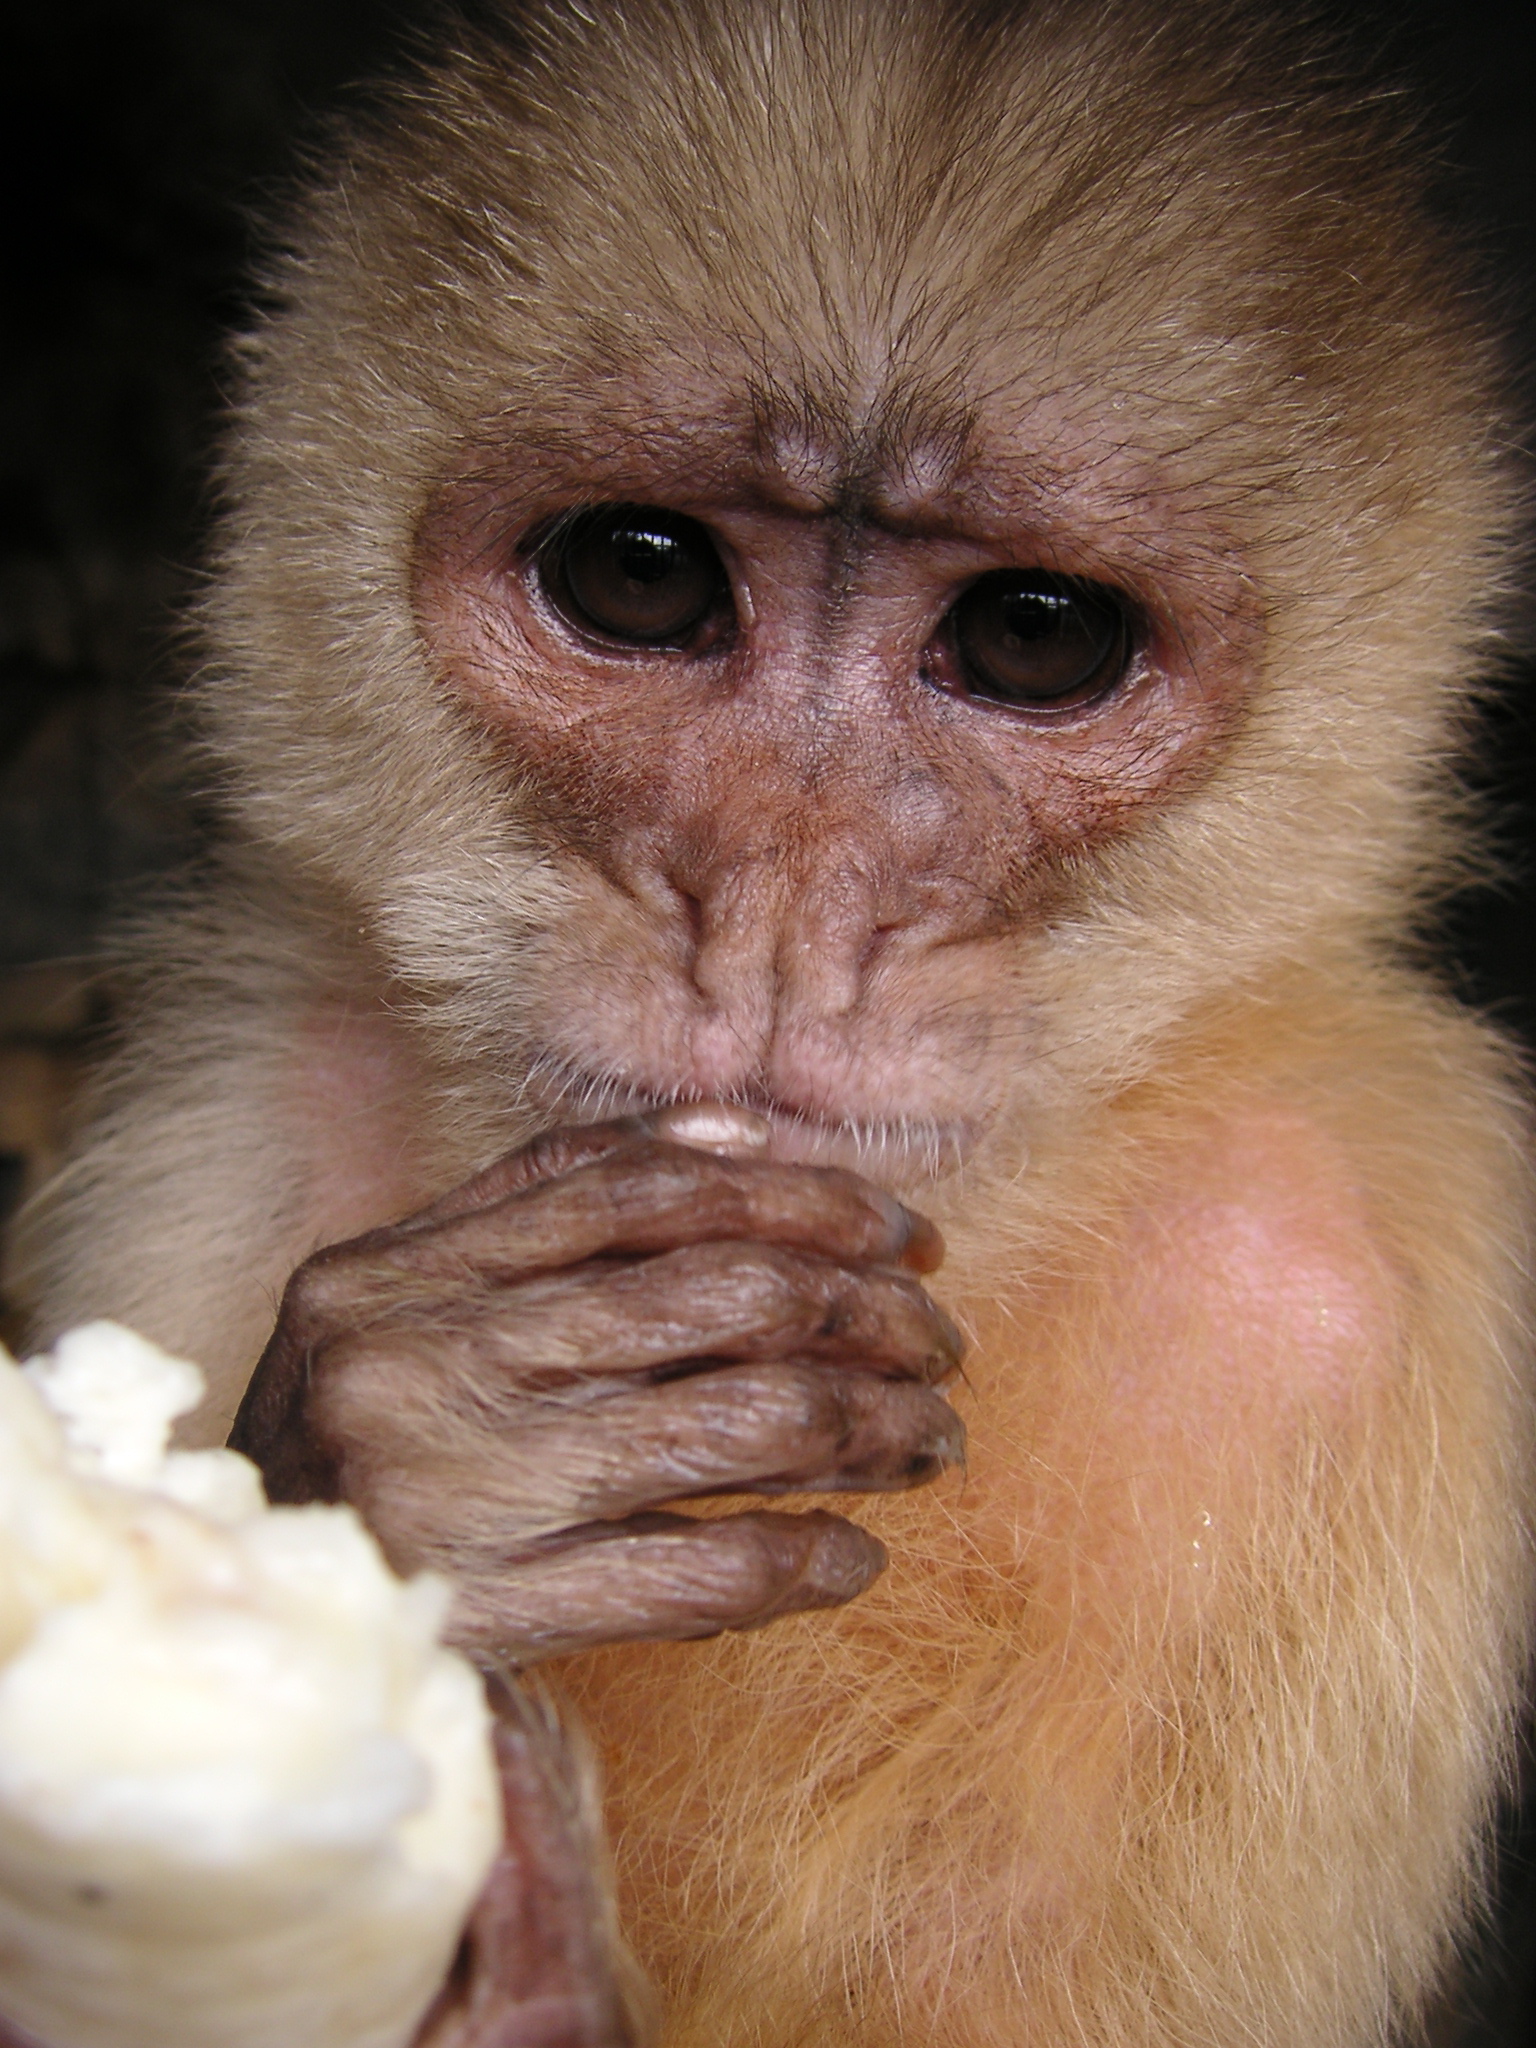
(903, 1151)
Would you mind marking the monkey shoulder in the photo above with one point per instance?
(1320, 1192)
(244, 1117)
(1301, 1247)
(1369, 1092)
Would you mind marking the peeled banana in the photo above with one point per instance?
(246, 1799)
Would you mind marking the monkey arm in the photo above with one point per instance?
(194, 1192)
(537, 1967)
(1226, 1569)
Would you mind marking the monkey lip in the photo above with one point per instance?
(904, 1151)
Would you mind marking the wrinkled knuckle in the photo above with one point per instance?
(815, 1403)
(319, 1290)
(696, 1177)
(662, 1168)
(764, 1565)
(763, 1277)
(837, 1299)
(734, 1203)
(775, 1259)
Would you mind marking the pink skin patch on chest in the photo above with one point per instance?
(1258, 1269)
(1149, 1400)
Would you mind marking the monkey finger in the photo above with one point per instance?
(780, 1428)
(544, 1158)
(733, 1133)
(737, 1302)
(654, 1197)
(638, 1196)
(405, 1391)
(346, 1275)
(715, 1127)
(661, 1578)
(748, 1429)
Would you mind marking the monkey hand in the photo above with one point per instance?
(510, 1384)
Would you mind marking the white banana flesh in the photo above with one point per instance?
(246, 1799)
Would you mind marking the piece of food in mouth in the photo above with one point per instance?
(246, 1799)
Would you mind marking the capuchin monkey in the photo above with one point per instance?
(839, 634)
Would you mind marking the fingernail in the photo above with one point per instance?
(711, 1127)
(924, 1247)
(954, 1349)
(947, 1441)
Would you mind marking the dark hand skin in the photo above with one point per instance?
(511, 1384)
(535, 1967)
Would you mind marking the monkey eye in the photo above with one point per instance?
(1030, 638)
(634, 573)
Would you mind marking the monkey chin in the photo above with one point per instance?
(904, 1152)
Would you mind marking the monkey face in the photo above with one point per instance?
(816, 728)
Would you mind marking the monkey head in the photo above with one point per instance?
(875, 603)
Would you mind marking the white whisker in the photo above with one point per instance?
(901, 1147)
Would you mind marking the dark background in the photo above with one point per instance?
(139, 140)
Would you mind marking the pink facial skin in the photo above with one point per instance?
(799, 854)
